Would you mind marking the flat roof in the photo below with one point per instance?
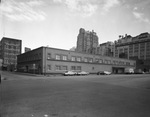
(8, 38)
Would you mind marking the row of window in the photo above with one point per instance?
(131, 50)
(12, 42)
(64, 57)
(137, 45)
(10, 56)
(13, 54)
(12, 47)
(12, 51)
(64, 68)
(87, 59)
(142, 47)
(141, 51)
(9, 61)
(30, 57)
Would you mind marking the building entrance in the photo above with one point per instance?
(118, 70)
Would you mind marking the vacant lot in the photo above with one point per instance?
(76, 96)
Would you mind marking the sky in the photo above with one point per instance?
(56, 23)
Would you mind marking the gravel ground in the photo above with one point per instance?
(77, 96)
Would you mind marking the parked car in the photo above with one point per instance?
(69, 73)
(139, 72)
(129, 71)
(103, 73)
(83, 73)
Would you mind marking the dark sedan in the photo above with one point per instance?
(103, 73)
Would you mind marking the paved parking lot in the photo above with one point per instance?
(75, 96)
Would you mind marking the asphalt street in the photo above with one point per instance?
(25, 95)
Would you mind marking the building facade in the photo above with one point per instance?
(136, 48)
(87, 42)
(9, 49)
(46, 60)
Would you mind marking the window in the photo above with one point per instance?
(64, 57)
(58, 67)
(127, 63)
(73, 67)
(57, 57)
(109, 61)
(14, 47)
(48, 55)
(9, 46)
(73, 58)
(85, 60)
(122, 63)
(48, 67)
(96, 60)
(64, 68)
(106, 61)
(78, 59)
(90, 60)
(119, 62)
(116, 62)
(79, 68)
(100, 61)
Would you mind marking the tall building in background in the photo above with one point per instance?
(9, 49)
(106, 49)
(87, 42)
(122, 46)
(27, 49)
(136, 48)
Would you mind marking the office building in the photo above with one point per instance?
(136, 48)
(87, 42)
(46, 60)
(9, 49)
(106, 49)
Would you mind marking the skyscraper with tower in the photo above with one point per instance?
(87, 41)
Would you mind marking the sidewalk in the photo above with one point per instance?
(27, 74)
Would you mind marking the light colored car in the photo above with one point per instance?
(103, 73)
(129, 71)
(83, 73)
(69, 73)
